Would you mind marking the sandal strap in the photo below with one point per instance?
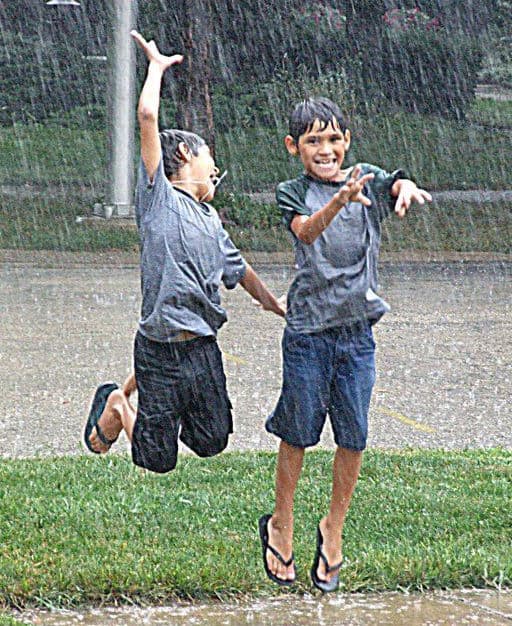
(280, 557)
(101, 436)
(328, 568)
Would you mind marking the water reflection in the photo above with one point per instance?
(391, 609)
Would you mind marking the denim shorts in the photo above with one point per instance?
(332, 371)
(181, 393)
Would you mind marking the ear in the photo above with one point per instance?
(183, 152)
(347, 140)
(291, 146)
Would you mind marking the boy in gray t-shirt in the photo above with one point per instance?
(334, 216)
(186, 255)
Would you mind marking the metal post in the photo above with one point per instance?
(120, 113)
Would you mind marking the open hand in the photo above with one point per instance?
(407, 194)
(352, 190)
(153, 54)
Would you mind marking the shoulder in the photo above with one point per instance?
(212, 213)
(294, 185)
(383, 179)
(291, 194)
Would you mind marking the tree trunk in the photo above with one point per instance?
(194, 106)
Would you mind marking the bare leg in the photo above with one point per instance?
(346, 468)
(280, 527)
(117, 415)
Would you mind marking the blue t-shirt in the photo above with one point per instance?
(336, 279)
(185, 256)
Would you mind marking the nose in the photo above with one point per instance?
(324, 148)
(216, 170)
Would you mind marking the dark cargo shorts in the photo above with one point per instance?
(181, 393)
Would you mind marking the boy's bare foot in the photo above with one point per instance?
(110, 422)
(280, 537)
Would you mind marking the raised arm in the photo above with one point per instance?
(149, 101)
(308, 227)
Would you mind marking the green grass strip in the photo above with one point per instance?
(50, 224)
(6, 620)
(85, 530)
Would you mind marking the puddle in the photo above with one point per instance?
(390, 609)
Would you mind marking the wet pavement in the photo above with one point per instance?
(387, 609)
(444, 380)
(443, 353)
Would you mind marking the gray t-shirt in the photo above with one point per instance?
(185, 255)
(336, 279)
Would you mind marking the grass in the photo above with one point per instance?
(99, 530)
(441, 154)
(6, 620)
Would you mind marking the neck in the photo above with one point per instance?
(190, 188)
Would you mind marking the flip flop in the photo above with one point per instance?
(324, 585)
(263, 526)
(98, 405)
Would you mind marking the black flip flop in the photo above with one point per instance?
(324, 585)
(98, 405)
(263, 526)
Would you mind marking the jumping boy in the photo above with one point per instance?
(328, 349)
(185, 256)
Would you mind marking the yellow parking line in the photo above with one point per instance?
(235, 359)
(406, 420)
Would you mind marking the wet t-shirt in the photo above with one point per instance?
(185, 257)
(336, 279)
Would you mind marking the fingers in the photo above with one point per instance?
(352, 190)
(139, 39)
(176, 59)
(150, 49)
(407, 197)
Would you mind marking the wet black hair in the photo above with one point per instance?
(170, 140)
(308, 111)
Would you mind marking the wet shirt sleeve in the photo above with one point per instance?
(290, 200)
(380, 188)
(150, 194)
(234, 263)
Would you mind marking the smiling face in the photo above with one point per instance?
(322, 150)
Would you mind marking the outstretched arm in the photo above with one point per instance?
(149, 101)
(308, 227)
(407, 192)
(255, 287)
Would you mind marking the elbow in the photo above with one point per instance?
(305, 237)
(145, 115)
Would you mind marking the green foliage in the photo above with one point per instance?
(497, 66)
(429, 71)
(269, 104)
(42, 78)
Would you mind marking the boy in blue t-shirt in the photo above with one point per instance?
(185, 257)
(335, 217)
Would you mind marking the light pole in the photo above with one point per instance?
(120, 109)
